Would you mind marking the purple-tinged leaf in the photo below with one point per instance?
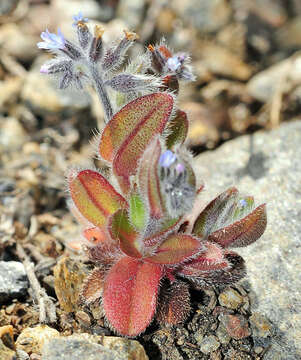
(216, 213)
(93, 286)
(148, 176)
(176, 249)
(243, 232)
(174, 303)
(177, 129)
(224, 276)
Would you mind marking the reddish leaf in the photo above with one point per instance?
(224, 276)
(130, 295)
(94, 196)
(176, 249)
(243, 232)
(178, 129)
(209, 260)
(169, 226)
(149, 183)
(153, 123)
(149, 112)
(216, 212)
(122, 230)
(174, 304)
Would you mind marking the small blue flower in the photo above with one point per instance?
(167, 158)
(52, 41)
(79, 18)
(173, 63)
(243, 203)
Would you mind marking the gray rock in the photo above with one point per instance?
(268, 166)
(131, 11)
(72, 348)
(209, 344)
(13, 280)
(205, 15)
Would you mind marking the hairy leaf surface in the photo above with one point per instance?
(130, 295)
(94, 196)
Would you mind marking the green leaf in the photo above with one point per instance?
(137, 211)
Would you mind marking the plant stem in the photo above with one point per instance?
(102, 93)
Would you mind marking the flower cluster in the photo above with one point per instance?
(140, 230)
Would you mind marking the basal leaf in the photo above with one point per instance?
(178, 129)
(242, 232)
(150, 124)
(94, 196)
(176, 249)
(233, 271)
(216, 213)
(149, 112)
(93, 286)
(121, 229)
(130, 295)
(174, 305)
(211, 259)
(149, 183)
(168, 226)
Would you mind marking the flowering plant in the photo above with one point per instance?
(137, 217)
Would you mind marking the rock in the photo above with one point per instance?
(13, 280)
(262, 331)
(126, 348)
(9, 91)
(205, 15)
(230, 298)
(88, 347)
(32, 340)
(223, 335)
(282, 76)
(7, 6)
(42, 93)
(17, 42)
(209, 344)
(131, 11)
(236, 325)
(6, 353)
(7, 336)
(69, 274)
(12, 134)
(289, 36)
(267, 166)
(221, 61)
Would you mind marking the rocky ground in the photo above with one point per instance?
(246, 59)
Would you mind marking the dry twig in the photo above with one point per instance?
(46, 306)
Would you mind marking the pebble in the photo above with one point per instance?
(17, 42)
(69, 274)
(236, 325)
(230, 298)
(223, 335)
(12, 134)
(131, 11)
(84, 346)
(76, 348)
(206, 15)
(6, 353)
(13, 281)
(126, 348)
(32, 340)
(209, 344)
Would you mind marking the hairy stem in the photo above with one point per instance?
(102, 93)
